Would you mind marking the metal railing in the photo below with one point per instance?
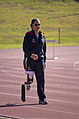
(62, 35)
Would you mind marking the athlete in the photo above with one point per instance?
(34, 47)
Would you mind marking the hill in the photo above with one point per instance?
(16, 15)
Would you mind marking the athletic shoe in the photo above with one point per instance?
(43, 102)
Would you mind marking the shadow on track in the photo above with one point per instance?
(17, 105)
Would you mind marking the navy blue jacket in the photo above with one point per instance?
(34, 45)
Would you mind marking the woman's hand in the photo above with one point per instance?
(34, 56)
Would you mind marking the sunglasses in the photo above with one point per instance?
(37, 25)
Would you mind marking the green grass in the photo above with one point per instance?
(16, 15)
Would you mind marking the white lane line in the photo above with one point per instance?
(64, 86)
(68, 77)
(14, 82)
(47, 109)
(67, 93)
(23, 78)
(62, 101)
(11, 74)
(17, 86)
(62, 68)
(52, 110)
(20, 69)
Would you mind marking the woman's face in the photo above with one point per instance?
(36, 26)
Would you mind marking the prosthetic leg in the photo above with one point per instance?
(26, 85)
(29, 79)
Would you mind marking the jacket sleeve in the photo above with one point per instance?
(26, 46)
(44, 49)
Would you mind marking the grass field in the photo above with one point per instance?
(16, 15)
(3, 118)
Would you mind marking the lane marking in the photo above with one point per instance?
(48, 109)
(69, 77)
(11, 72)
(15, 86)
(62, 101)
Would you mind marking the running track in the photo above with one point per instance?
(62, 86)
